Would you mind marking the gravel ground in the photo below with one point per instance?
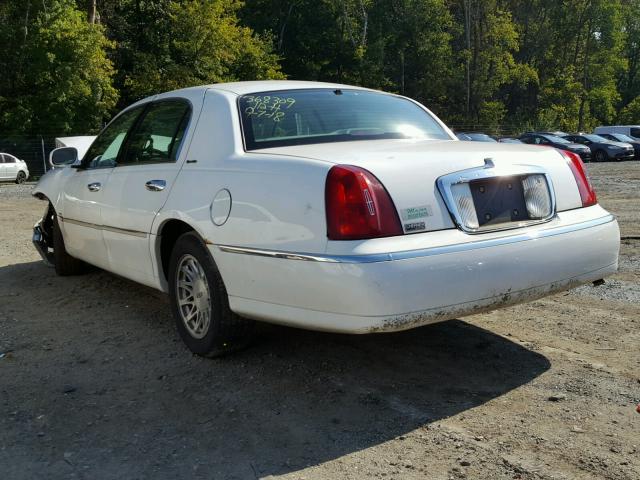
(94, 382)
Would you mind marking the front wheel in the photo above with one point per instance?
(200, 303)
(600, 156)
(21, 177)
(64, 263)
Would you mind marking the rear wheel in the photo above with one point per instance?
(64, 263)
(600, 156)
(200, 303)
(21, 177)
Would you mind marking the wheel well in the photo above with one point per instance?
(168, 237)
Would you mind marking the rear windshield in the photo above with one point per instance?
(303, 117)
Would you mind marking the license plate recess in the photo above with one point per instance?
(499, 200)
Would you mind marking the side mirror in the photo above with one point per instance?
(63, 156)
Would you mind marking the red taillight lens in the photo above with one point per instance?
(358, 206)
(587, 193)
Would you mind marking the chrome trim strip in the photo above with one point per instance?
(277, 254)
(423, 252)
(106, 228)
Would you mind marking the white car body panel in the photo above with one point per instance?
(272, 250)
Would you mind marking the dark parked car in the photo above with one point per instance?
(621, 137)
(475, 137)
(603, 149)
(548, 140)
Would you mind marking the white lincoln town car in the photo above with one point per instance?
(321, 206)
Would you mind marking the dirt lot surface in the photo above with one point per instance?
(94, 382)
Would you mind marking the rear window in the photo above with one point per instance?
(303, 117)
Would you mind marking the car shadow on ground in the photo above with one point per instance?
(97, 384)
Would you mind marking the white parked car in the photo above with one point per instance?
(321, 206)
(13, 169)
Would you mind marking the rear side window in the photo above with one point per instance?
(302, 117)
(635, 132)
(158, 135)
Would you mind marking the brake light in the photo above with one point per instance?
(587, 193)
(358, 206)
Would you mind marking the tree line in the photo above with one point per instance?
(66, 66)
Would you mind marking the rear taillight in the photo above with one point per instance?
(358, 206)
(587, 193)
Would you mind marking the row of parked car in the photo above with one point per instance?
(614, 143)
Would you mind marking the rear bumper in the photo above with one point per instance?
(401, 290)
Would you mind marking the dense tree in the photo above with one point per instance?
(490, 64)
(55, 71)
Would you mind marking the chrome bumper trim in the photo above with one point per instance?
(41, 245)
(423, 252)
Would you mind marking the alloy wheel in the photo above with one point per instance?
(194, 298)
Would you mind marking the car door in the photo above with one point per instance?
(10, 166)
(2, 174)
(80, 212)
(139, 186)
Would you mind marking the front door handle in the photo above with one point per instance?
(94, 187)
(155, 185)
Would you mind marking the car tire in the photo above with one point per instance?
(600, 156)
(21, 177)
(200, 303)
(65, 265)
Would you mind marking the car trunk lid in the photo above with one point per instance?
(410, 169)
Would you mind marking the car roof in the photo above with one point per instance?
(257, 86)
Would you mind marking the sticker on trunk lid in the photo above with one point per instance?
(415, 213)
(413, 218)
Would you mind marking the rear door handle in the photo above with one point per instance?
(155, 185)
(94, 187)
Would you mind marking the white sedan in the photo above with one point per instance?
(13, 169)
(321, 206)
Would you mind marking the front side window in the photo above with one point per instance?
(9, 159)
(635, 132)
(303, 117)
(158, 135)
(104, 150)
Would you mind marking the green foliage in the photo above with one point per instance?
(630, 115)
(486, 64)
(187, 43)
(55, 71)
